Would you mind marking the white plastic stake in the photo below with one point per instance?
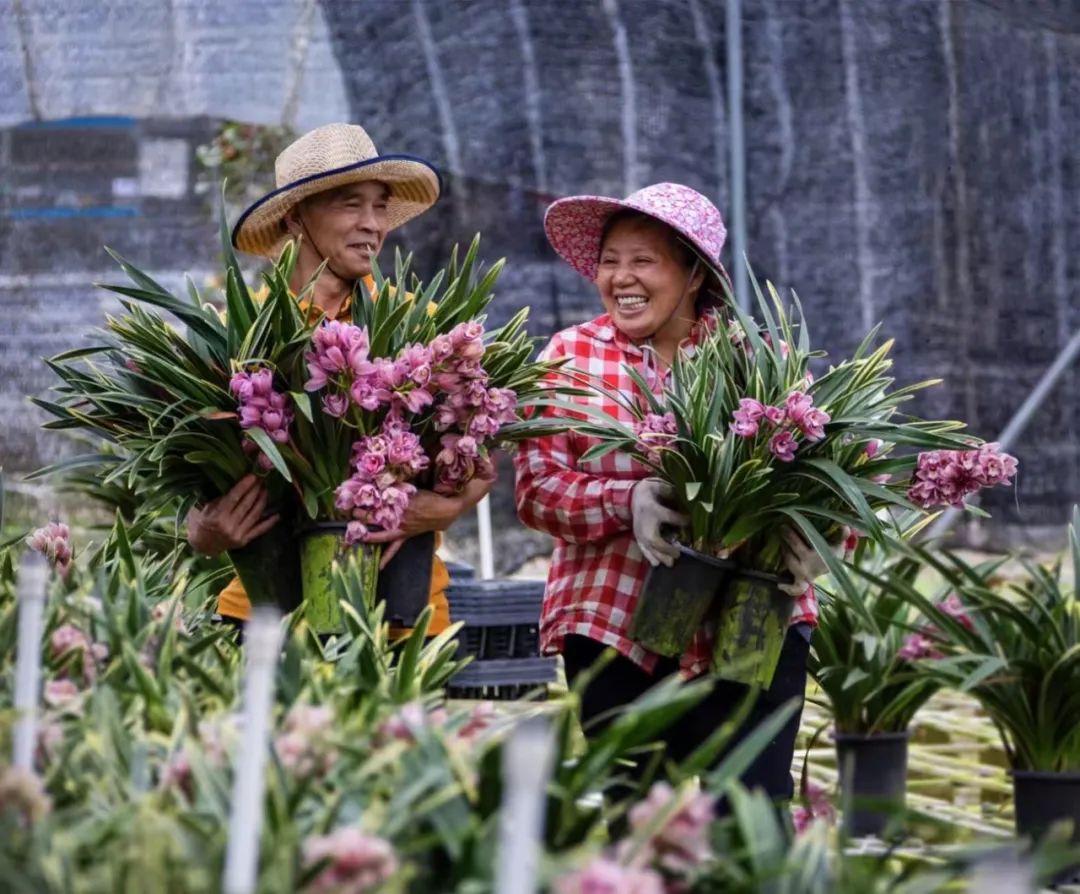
(262, 647)
(483, 530)
(33, 577)
(527, 759)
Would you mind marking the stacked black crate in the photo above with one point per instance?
(501, 632)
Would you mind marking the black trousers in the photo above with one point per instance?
(621, 681)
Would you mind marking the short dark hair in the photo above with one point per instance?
(711, 292)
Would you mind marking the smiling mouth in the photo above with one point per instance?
(366, 247)
(631, 302)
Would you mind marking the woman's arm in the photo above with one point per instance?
(553, 496)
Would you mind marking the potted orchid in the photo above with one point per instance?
(1016, 650)
(753, 443)
(412, 393)
(866, 659)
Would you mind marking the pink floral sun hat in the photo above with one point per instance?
(575, 225)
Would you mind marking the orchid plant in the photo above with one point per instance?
(410, 391)
(1015, 648)
(751, 440)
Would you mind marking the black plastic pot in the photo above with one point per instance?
(675, 600)
(269, 568)
(1042, 799)
(873, 780)
(405, 583)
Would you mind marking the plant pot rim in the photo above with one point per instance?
(330, 525)
(1046, 775)
(706, 558)
(770, 577)
(871, 737)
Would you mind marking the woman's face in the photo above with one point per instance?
(643, 282)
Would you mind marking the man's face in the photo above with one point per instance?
(346, 226)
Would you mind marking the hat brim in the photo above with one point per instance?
(575, 226)
(415, 185)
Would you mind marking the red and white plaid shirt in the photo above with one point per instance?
(597, 569)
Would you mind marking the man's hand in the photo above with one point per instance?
(429, 511)
(648, 506)
(803, 561)
(232, 520)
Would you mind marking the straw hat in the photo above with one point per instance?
(328, 157)
(575, 225)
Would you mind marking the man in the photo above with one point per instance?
(338, 198)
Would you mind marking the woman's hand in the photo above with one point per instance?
(803, 561)
(429, 511)
(650, 511)
(232, 520)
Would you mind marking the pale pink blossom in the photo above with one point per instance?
(918, 646)
(800, 411)
(354, 861)
(22, 796)
(60, 693)
(604, 876)
(54, 542)
(682, 842)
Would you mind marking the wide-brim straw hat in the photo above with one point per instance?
(575, 225)
(328, 157)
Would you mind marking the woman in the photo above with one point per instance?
(652, 258)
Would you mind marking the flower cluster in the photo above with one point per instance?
(604, 876)
(923, 643)
(261, 407)
(655, 432)
(303, 746)
(816, 805)
(798, 414)
(22, 796)
(442, 384)
(682, 843)
(354, 861)
(377, 493)
(946, 477)
(67, 639)
(54, 542)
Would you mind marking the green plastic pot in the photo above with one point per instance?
(322, 547)
(752, 619)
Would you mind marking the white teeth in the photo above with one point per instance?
(631, 301)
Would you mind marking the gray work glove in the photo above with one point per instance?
(803, 561)
(650, 513)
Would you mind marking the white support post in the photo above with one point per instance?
(33, 579)
(262, 647)
(527, 758)
(487, 545)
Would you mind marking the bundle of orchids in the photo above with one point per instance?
(754, 446)
(751, 441)
(342, 418)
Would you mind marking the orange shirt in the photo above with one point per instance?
(233, 601)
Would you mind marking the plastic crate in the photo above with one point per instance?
(509, 678)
